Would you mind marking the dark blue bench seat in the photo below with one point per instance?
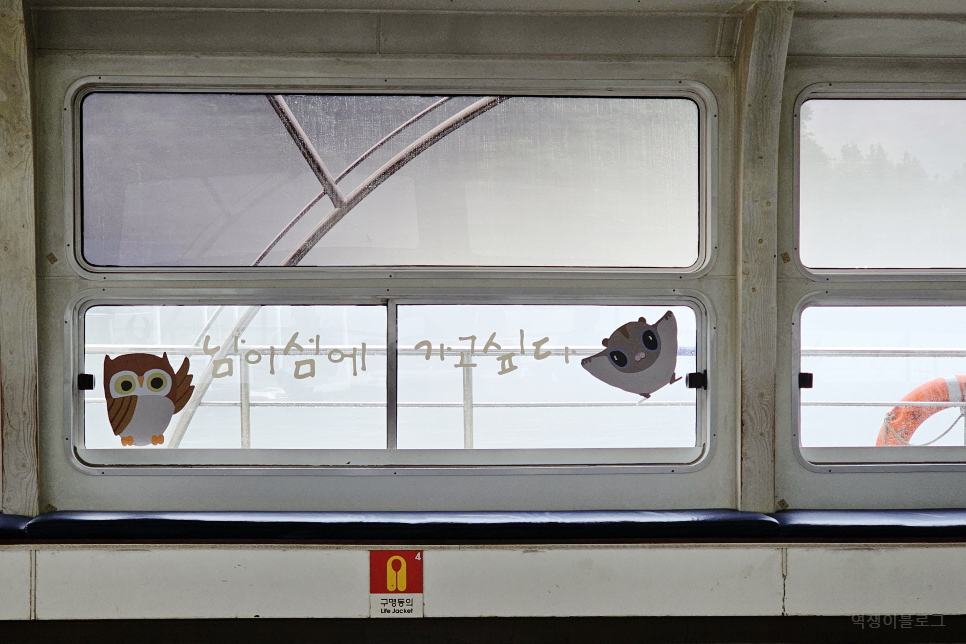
(456, 527)
(13, 527)
(854, 525)
(404, 526)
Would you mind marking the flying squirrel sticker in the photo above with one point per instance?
(638, 357)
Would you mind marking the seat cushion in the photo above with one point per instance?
(406, 526)
(872, 524)
(13, 526)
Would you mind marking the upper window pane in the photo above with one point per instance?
(204, 180)
(882, 183)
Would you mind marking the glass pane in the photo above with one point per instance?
(218, 180)
(502, 377)
(868, 360)
(298, 377)
(882, 183)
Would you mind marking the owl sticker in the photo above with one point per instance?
(638, 357)
(143, 392)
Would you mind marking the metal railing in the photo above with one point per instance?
(856, 352)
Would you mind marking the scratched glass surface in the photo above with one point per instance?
(218, 180)
(867, 358)
(882, 183)
(299, 377)
(528, 388)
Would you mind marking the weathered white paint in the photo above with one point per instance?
(199, 581)
(876, 579)
(188, 583)
(760, 69)
(719, 7)
(18, 273)
(15, 591)
(870, 35)
(196, 581)
(603, 581)
(386, 33)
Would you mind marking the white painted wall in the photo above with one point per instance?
(195, 581)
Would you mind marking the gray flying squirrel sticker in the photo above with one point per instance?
(638, 357)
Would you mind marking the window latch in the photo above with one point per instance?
(805, 381)
(697, 380)
(85, 381)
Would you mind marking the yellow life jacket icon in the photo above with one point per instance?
(396, 580)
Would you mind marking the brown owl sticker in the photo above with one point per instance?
(143, 392)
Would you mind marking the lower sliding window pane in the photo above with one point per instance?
(260, 377)
(884, 376)
(511, 377)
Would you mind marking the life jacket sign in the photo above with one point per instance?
(395, 583)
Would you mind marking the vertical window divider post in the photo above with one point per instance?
(468, 408)
(392, 372)
(244, 399)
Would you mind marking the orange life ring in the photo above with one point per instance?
(902, 422)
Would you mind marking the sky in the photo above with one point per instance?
(934, 131)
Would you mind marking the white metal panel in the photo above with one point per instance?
(160, 30)
(533, 6)
(876, 7)
(14, 584)
(201, 583)
(311, 32)
(876, 580)
(824, 35)
(575, 582)
(540, 34)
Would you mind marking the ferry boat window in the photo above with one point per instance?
(887, 384)
(458, 195)
(312, 385)
(879, 204)
(881, 183)
(213, 180)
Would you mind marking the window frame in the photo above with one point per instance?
(864, 91)
(872, 458)
(862, 292)
(697, 92)
(68, 484)
(330, 461)
(798, 482)
(466, 290)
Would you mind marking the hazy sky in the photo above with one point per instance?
(934, 131)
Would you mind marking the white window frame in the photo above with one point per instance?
(866, 91)
(700, 94)
(706, 481)
(683, 459)
(870, 459)
(340, 461)
(841, 478)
